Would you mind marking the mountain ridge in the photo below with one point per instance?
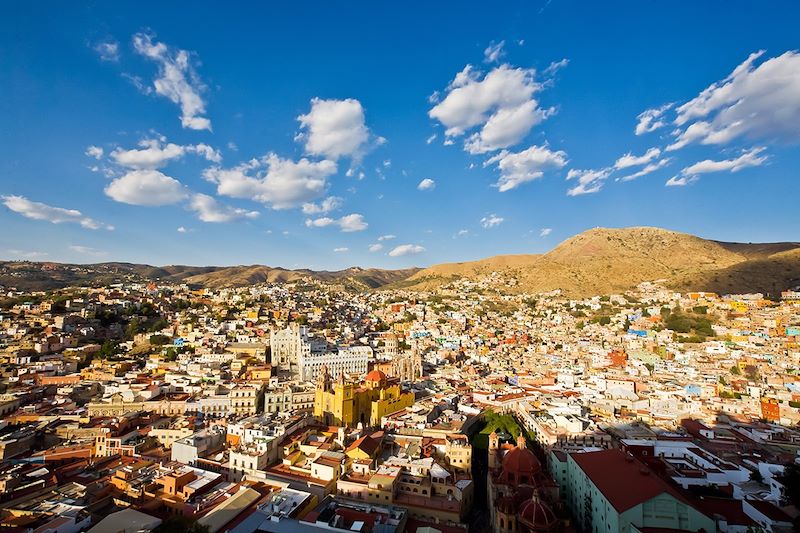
(596, 261)
(607, 260)
(45, 275)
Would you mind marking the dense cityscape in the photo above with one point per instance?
(528, 266)
(307, 406)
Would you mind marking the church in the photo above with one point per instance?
(342, 403)
(519, 490)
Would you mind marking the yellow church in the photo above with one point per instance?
(346, 404)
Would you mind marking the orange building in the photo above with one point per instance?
(770, 409)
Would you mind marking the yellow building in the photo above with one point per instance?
(346, 404)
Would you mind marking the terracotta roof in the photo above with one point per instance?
(731, 510)
(366, 444)
(770, 511)
(624, 481)
(376, 375)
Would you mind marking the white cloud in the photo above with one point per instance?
(352, 222)
(107, 50)
(377, 247)
(426, 184)
(54, 215)
(501, 103)
(209, 210)
(281, 183)
(651, 119)
(517, 168)
(430, 139)
(494, 52)
(95, 152)
(182, 229)
(630, 160)
(154, 153)
(334, 128)
(87, 250)
(555, 66)
(505, 127)
(319, 222)
(146, 187)
(748, 158)
(331, 203)
(386, 237)
(491, 221)
(589, 181)
(348, 223)
(27, 254)
(462, 233)
(648, 169)
(680, 181)
(341, 250)
(406, 249)
(757, 101)
(177, 80)
(544, 232)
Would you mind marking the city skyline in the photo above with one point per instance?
(332, 137)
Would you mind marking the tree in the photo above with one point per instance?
(158, 325)
(791, 484)
(159, 340)
(108, 349)
(134, 328)
(735, 370)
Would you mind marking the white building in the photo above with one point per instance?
(351, 360)
(287, 345)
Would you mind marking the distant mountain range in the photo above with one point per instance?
(597, 261)
(28, 275)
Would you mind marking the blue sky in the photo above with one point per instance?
(326, 135)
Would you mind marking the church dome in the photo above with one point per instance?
(375, 378)
(537, 515)
(520, 466)
(376, 375)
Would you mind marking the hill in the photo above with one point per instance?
(597, 261)
(603, 261)
(33, 276)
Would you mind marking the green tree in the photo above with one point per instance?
(134, 328)
(159, 340)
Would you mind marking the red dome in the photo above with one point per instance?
(537, 515)
(521, 461)
(376, 375)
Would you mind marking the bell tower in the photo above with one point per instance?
(494, 449)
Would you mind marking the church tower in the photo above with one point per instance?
(494, 450)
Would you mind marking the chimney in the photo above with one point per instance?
(520, 441)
